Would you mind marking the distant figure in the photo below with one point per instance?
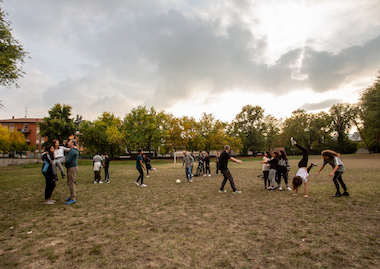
(273, 170)
(106, 166)
(265, 168)
(207, 164)
(332, 158)
(188, 162)
(217, 162)
(140, 167)
(223, 161)
(97, 162)
(283, 170)
(148, 165)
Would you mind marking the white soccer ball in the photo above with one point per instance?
(178, 181)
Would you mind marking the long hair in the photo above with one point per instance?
(330, 153)
(283, 155)
(47, 150)
(297, 181)
(54, 141)
(268, 153)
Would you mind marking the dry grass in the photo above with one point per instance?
(191, 225)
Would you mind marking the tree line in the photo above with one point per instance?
(251, 130)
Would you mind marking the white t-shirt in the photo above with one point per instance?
(59, 152)
(302, 173)
(266, 166)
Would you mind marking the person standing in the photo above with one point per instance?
(223, 161)
(147, 165)
(217, 162)
(188, 161)
(72, 170)
(106, 166)
(140, 167)
(207, 164)
(265, 168)
(97, 164)
(47, 171)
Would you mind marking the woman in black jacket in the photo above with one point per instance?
(47, 171)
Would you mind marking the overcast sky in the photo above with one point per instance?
(189, 57)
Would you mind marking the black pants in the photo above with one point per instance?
(266, 174)
(141, 176)
(50, 185)
(283, 173)
(338, 178)
(217, 167)
(227, 176)
(207, 168)
(305, 156)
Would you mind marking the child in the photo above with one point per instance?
(332, 158)
(97, 162)
(47, 171)
(303, 171)
(106, 166)
(266, 168)
(273, 170)
(283, 169)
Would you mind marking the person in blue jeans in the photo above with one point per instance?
(140, 167)
(188, 162)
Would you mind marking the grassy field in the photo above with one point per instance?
(191, 225)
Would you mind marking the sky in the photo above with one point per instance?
(190, 57)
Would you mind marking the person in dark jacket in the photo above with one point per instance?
(47, 171)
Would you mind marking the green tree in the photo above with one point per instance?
(249, 125)
(190, 135)
(271, 131)
(370, 114)
(12, 141)
(174, 131)
(103, 135)
(212, 132)
(12, 54)
(145, 128)
(342, 117)
(58, 125)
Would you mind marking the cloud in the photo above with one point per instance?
(321, 105)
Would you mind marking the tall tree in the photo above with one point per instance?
(103, 135)
(271, 130)
(58, 125)
(12, 54)
(249, 125)
(342, 117)
(370, 114)
(212, 132)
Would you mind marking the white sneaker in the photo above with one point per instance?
(154, 169)
(288, 189)
(293, 141)
(137, 183)
(147, 176)
(108, 181)
(209, 175)
(313, 164)
(100, 182)
(280, 188)
(95, 182)
(205, 175)
(48, 202)
(143, 185)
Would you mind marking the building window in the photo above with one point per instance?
(11, 126)
(5, 125)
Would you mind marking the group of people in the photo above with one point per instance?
(276, 165)
(52, 157)
(203, 164)
(98, 163)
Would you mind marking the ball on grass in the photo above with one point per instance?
(178, 181)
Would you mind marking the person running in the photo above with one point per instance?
(207, 164)
(140, 167)
(148, 165)
(332, 158)
(47, 171)
(106, 166)
(223, 163)
(188, 162)
(265, 168)
(303, 171)
(97, 162)
(59, 158)
(283, 170)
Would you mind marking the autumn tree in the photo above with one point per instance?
(103, 135)
(12, 141)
